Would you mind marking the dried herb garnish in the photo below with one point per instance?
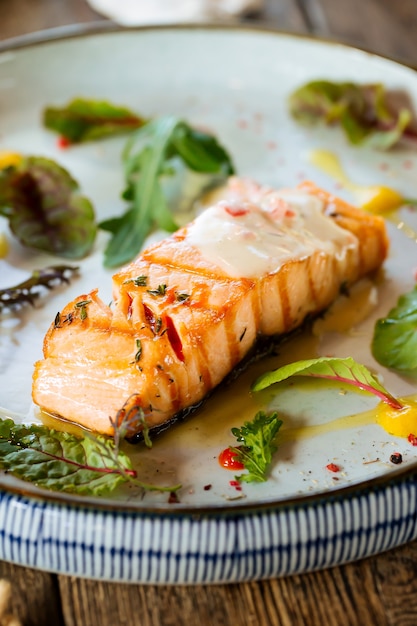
(182, 297)
(82, 306)
(159, 291)
(138, 350)
(139, 281)
(29, 290)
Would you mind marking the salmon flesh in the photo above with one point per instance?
(186, 312)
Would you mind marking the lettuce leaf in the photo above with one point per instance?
(83, 120)
(45, 211)
(364, 112)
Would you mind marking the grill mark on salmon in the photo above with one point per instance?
(206, 302)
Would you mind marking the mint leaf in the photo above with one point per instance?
(258, 439)
(45, 211)
(394, 342)
(87, 120)
(149, 156)
(362, 111)
(346, 371)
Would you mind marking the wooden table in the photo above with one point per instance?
(380, 590)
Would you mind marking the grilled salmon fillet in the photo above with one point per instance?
(190, 307)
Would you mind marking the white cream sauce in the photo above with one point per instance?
(251, 240)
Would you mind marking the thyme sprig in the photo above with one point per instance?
(139, 281)
(159, 291)
(29, 290)
(130, 418)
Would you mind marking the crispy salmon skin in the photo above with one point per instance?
(255, 263)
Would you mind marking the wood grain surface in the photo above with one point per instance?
(381, 590)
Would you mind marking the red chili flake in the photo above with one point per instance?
(236, 484)
(236, 211)
(153, 320)
(207, 487)
(63, 143)
(332, 467)
(228, 460)
(412, 439)
(174, 338)
(242, 123)
(173, 498)
(396, 458)
(129, 307)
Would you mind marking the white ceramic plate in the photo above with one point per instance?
(235, 82)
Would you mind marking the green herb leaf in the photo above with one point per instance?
(362, 111)
(199, 151)
(45, 210)
(61, 461)
(258, 439)
(394, 343)
(346, 371)
(87, 120)
(160, 143)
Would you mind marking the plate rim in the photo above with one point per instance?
(103, 27)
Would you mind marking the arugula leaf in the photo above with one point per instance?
(45, 211)
(394, 343)
(258, 438)
(346, 371)
(362, 111)
(161, 142)
(84, 120)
